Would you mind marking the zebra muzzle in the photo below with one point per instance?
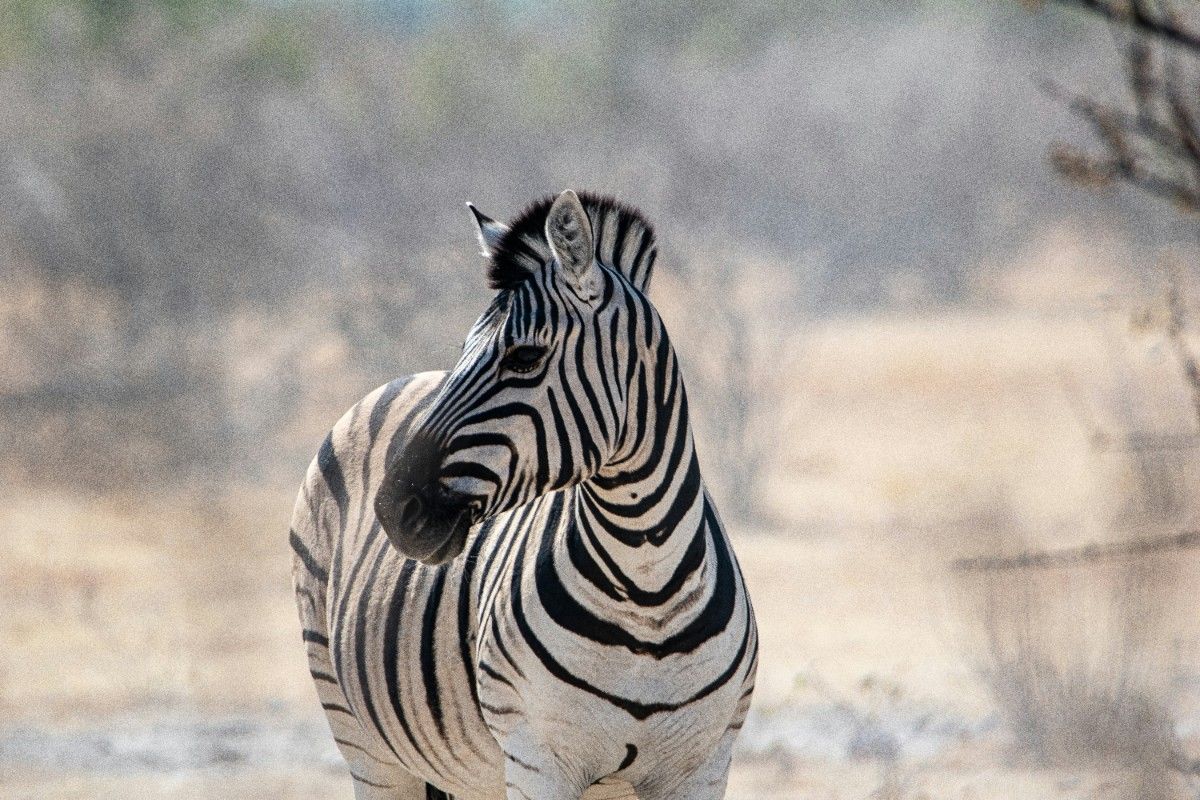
(430, 526)
(423, 518)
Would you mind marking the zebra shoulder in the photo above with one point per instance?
(352, 457)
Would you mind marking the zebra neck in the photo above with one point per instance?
(644, 528)
(642, 523)
(636, 512)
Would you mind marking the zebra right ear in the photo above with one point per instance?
(569, 234)
(488, 230)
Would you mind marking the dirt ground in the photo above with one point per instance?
(748, 782)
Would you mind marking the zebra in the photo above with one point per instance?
(512, 582)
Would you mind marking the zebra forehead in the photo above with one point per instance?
(623, 238)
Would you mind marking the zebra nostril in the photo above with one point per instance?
(410, 512)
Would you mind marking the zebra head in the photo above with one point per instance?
(538, 400)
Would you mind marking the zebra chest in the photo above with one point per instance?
(606, 710)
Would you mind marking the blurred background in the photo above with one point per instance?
(944, 397)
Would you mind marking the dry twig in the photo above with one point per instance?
(1086, 554)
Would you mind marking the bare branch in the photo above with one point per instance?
(1184, 198)
(1146, 127)
(1140, 19)
(1181, 116)
(1176, 326)
(1130, 141)
(1076, 556)
(1140, 65)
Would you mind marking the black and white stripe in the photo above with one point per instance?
(511, 579)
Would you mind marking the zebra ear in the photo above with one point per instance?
(569, 234)
(488, 230)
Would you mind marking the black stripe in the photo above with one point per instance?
(506, 711)
(306, 558)
(344, 581)
(391, 659)
(663, 408)
(593, 399)
(630, 756)
(307, 594)
(570, 615)
(619, 237)
(692, 560)
(494, 674)
(360, 644)
(314, 637)
(464, 614)
(506, 537)
(428, 651)
(566, 467)
(361, 779)
(586, 566)
(637, 276)
(358, 747)
(522, 764)
(682, 502)
(331, 470)
(607, 375)
(382, 406)
(498, 638)
(399, 437)
(591, 452)
(375, 421)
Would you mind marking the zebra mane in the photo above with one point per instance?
(624, 240)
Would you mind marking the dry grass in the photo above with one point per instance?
(923, 441)
(748, 781)
(168, 602)
(1077, 688)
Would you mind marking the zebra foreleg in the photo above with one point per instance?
(530, 775)
(400, 787)
(706, 783)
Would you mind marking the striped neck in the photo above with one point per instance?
(639, 520)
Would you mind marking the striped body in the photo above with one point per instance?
(592, 634)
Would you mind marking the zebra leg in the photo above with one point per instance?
(532, 773)
(400, 786)
(706, 783)
(376, 775)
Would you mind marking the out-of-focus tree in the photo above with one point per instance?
(1104, 697)
(1152, 141)
(144, 169)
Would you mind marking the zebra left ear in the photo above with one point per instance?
(488, 230)
(569, 234)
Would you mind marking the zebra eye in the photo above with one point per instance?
(524, 358)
